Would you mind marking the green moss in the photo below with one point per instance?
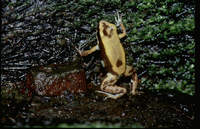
(156, 32)
(181, 86)
(96, 125)
(87, 125)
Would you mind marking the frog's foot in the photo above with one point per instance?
(134, 85)
(118, 19)
(78, 50)
(109, 95)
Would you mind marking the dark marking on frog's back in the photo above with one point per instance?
(105, 27)
(119, 63)
(105, 33)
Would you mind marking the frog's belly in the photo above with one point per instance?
(115, 58)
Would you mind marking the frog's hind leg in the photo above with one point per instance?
(109, 88)
(131, 71)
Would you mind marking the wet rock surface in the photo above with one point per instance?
(151, 109)
(159, 44)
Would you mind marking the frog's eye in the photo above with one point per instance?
(111, 29)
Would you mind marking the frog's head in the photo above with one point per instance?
(106, 29)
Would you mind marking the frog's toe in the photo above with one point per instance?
(109, 95)
(118, 19)
(114, 96)
(78, 50)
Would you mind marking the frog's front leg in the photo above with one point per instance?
(87, 52)
(109, 88)
(131, 71)
(123, 34)
(118, 20)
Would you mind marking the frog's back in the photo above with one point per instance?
(114, 55)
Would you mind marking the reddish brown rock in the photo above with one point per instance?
(54, 79)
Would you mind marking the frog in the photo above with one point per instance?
(113, 58)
